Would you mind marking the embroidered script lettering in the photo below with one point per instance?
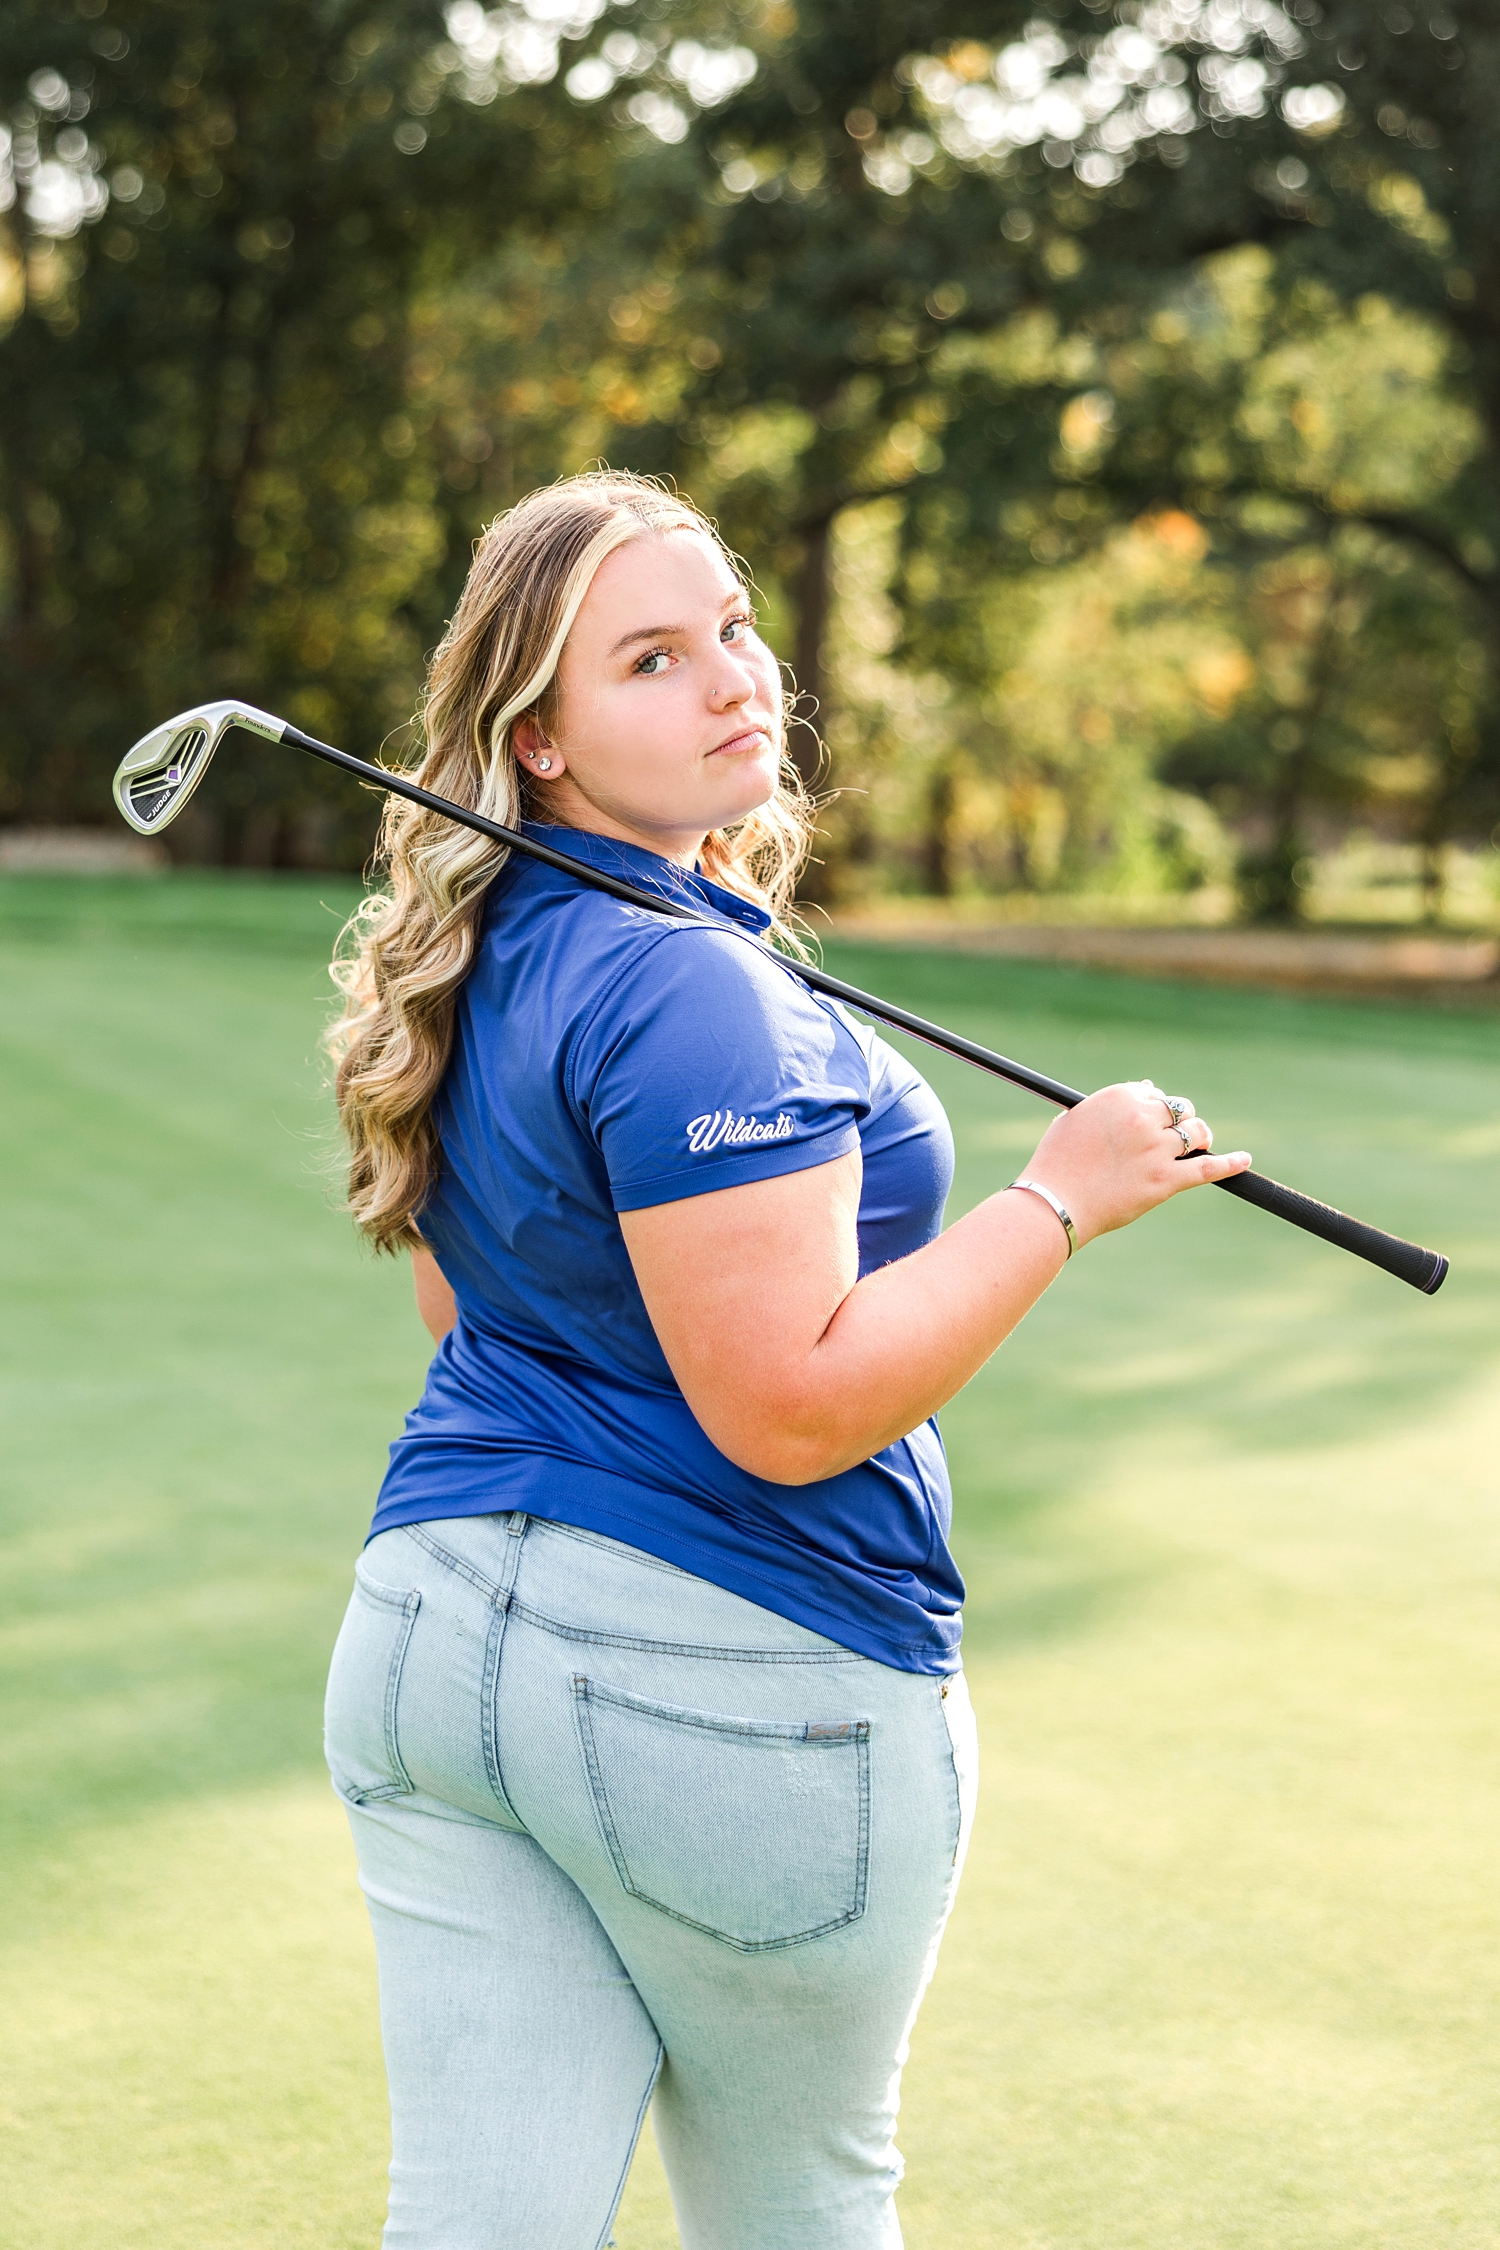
(720, 1128)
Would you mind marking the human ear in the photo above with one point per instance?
(534, 752)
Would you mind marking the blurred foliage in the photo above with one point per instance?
(1106, 398)
(213, 481)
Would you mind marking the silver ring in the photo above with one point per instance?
(1177, 1108)
(1185, 1137)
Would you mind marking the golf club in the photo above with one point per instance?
(158, 776)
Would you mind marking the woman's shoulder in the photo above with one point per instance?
(708, 1062)
(596, 968)
(713, 975)
(533, 908)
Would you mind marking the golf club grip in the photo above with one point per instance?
(1423, 1269)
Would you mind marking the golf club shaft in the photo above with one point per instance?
(1422, 1269)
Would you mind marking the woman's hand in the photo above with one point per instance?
(1123, 1151)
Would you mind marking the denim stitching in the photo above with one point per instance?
(450, 1561)
(607, 2234)
(952, 1750)
(602, 1812)
(489, 1724)
(586, 1690)
(617, 1547)
(716, 1722)
(389, 1597)
(748, 1945)
(862, 1849)
(918, 1645)
(684, 1648)
(410, 1606)
(499, 1601)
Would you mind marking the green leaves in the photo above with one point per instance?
(944, 311)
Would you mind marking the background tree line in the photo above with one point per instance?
(1107, 396)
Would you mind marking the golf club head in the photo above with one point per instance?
(157, 777)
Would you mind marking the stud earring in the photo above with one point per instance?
(544, 765)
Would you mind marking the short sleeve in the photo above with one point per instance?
(707, 1064)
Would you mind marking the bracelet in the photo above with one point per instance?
(1035, 1187)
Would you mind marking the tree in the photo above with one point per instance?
(824, 294)
(364, 275)
(211, 479)
(1354, 144)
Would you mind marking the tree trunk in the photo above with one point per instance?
(1267, 878)
(813, 575)
(1269, 888)
(942, 804)
(804, 738)
(31, 559)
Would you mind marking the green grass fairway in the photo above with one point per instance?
(1224, 1973)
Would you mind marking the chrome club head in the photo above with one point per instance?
(157, 777)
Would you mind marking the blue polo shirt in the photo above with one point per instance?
(607, 1059)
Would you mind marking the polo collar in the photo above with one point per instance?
(634, 864)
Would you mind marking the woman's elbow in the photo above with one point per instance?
(786, 1421)
(771, 1448)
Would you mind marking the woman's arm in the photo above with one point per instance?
(796, 1369)
(435, 1302)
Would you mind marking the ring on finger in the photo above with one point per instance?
(1186, 1138)
(1178, 1107)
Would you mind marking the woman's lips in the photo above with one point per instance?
(743, 739)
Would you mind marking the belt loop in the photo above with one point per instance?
(516, 1524)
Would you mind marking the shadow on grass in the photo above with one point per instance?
(202, 1373)
(1209, 1327)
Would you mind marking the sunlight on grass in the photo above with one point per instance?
(1223, 1972)
(193, 2034)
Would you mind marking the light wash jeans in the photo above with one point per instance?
(625, 1835)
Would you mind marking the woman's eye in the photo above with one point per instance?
(649, 663)
(738, 626)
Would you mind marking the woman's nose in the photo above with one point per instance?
(734, 683)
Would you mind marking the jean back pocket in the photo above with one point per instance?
(756, 1831)
(364, 1682)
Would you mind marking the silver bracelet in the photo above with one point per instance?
(1035, 1187)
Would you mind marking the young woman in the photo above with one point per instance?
(647, 1708)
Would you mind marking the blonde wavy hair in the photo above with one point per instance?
(408, 946)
